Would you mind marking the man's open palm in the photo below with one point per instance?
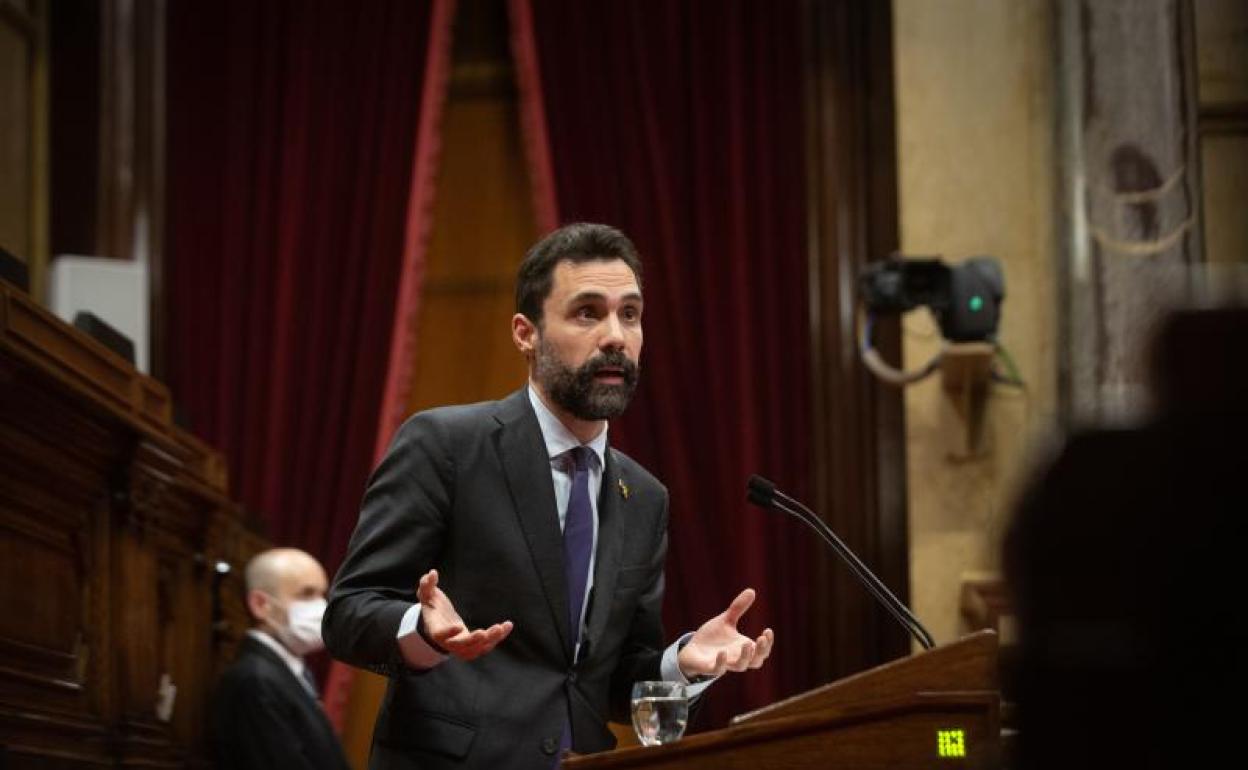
(717, 646)
(446, 629)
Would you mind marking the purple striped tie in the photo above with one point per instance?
(578, 546)
(578, 539)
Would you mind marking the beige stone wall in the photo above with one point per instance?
(977, 170)
(1222, 69)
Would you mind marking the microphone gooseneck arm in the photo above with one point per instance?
(764, 494)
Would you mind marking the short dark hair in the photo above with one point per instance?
(576, 243)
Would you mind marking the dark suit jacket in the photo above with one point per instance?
(262, 717)
(468, 490)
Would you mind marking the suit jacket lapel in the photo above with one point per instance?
(610, 535)
(252, 646)
(526, 465)
(308, 704)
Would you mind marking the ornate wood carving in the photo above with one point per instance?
(112, 522)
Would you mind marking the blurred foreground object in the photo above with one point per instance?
(1123, 560)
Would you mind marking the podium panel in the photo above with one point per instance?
(936, 709)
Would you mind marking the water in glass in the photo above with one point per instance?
(660, 712)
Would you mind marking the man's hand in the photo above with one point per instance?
(443, 625)
(717, 647)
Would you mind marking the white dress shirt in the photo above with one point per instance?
(297, 666)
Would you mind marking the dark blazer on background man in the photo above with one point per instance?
(264, 717)
(467, 490)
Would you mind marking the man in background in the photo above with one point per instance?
(266, 713)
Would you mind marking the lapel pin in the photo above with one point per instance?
(623, 489)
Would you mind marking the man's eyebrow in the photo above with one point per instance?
(597, 296)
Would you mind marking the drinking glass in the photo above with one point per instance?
(660, 712)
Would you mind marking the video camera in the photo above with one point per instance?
(965, 299)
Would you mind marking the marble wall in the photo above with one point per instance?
(983, 96)
(976, 166)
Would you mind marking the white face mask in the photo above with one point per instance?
(302, 634)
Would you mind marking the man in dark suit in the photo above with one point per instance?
(265, 712)
(525, 537)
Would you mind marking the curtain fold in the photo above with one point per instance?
(301, 156)
(419, 223)
(535, 136)
(681, 123)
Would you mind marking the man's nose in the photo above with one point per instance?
(613, 334)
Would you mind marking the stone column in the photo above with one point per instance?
(1130, 227)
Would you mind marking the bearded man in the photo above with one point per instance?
(506, 572)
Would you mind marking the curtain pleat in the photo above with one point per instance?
(301, 157)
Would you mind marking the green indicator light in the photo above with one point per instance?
(950, 743)
(976, 303)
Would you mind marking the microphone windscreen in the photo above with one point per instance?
(760, 491)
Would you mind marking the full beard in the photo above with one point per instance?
(577, 392)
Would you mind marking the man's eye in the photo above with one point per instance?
(585, 312)
(631, 314)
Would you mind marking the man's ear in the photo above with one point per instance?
(524, 333)
(258, 604)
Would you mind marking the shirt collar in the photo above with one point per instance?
(557, 436)
(294, 661)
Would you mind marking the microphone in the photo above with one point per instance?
(765, 494)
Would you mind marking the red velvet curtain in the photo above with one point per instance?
(681, 123)
(291, 145)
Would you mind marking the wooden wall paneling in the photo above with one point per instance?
(182, 521)
(134, 629)
(1220, 43)
(24, 135)
(96, 375)
(162, 527)
(17, 40)
(54, 621)
(111, 523)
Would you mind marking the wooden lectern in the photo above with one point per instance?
(936, 709)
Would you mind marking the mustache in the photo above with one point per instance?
(614, 359)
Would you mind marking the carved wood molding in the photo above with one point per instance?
(1228, 119)
(101, 378)
(111, 520)
(46, 738)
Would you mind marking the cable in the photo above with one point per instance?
(1014, 377)
(882, 369)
